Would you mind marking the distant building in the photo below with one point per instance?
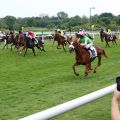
(43, 15)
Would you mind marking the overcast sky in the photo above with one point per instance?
(29, 8)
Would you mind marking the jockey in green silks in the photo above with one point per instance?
(87, 43)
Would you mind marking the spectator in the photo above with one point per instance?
(115, 112)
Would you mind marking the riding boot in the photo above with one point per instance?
(33, 40)
(93, 53)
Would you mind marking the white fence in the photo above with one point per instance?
(59, 109)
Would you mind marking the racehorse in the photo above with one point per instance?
(83, 57)
(29, 43)
(61, 41)
(101, 36)
(69, 39)
(9, 39)
(109, 38)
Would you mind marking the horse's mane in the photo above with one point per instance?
(75, 40)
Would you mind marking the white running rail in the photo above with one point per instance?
(59, 109)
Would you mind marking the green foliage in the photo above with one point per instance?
(10, 21)
(34, 83)
(62, 21)
(62, 15)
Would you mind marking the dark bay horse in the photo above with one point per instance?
(109, 38)
(101, 36)
(29, 43)
(9, 39)
(83, 57)
(60, 40)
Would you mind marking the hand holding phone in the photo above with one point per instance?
(118, 83)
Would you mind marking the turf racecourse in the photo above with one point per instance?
(34, 83)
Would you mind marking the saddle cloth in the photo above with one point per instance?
(92, 52)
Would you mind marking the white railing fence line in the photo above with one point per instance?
(59, 109)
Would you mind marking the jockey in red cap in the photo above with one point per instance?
(32, 35)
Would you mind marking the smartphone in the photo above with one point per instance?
(118, 83)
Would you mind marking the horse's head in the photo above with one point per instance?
(74, 45)
(10, 37)
(104, 34)
(56, 36)
(71, 47)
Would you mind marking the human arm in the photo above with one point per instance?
(115, 108)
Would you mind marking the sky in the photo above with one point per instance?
(34, 8)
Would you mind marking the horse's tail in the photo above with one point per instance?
(104, 53)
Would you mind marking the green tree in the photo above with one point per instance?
(62, 15)
(10, 21)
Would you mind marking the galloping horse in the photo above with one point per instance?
(60, 39)
(109, 38)
(101, 36)
(9, 39)
(83, 57)
(29, 43)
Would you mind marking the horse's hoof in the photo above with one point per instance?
(77, 74)
(86, 75)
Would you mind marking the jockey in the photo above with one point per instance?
(65, 36)
(86, 34)
(43, 40)
(87, 43)
(59, 31)
(109, 32)
(32, 36)
(62, 35)
(20, 36)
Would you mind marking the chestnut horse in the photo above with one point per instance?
(109, 38)
(61, 40)
(83, 57)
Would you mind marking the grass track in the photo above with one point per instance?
(31, 84)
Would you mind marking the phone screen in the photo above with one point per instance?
(118, 83)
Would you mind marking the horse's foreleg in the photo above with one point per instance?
(87, 69)
(38, 47)
(98, 64)
(33, 51)
(25, 52)
(101, 38)
(107, 44)
(17, 47)
(43, 49)
(74, 69)
(4, 46)
(24, 47)
(58, 46)
(11, 46)
(64, 48)
(5, 43)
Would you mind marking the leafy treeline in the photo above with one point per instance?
(62, 21)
